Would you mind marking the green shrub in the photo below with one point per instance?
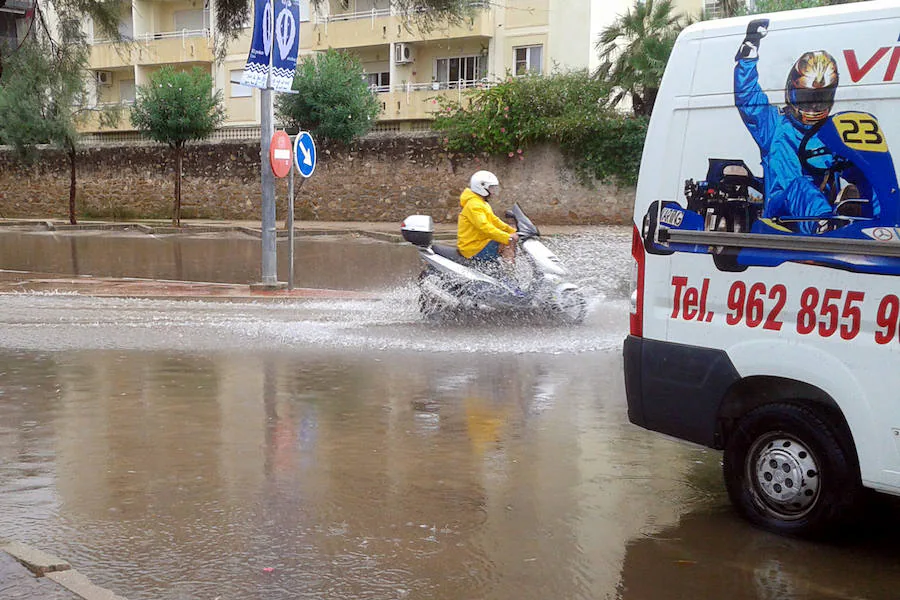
(569, 109)
(333, 102)
(608, 148)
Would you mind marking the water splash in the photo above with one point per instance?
(599, 264)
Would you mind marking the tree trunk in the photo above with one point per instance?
(637, 104)
(71, 154)
(650, 100)
(176, 209)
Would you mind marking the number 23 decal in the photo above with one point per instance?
(860, 132)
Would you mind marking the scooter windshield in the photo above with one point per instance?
(524, 225)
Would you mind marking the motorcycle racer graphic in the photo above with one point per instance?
(802, 178)
(826, 174)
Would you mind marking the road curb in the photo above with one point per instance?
(81, 586)
(57, 570)
(37, 561)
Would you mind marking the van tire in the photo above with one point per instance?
(771, 448)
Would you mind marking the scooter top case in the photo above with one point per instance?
(418, 230)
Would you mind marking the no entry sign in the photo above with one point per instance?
(280, 154)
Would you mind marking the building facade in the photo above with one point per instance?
(405, 66)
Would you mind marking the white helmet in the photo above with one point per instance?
(481, 181)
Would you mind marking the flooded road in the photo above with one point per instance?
(345, 449)
(333, 262)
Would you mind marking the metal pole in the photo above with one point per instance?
(267, 117)
(290, 227)
(267, 179)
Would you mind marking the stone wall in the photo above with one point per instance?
(376, 180)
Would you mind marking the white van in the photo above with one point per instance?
(766, 307)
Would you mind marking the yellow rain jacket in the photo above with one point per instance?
(477, 225)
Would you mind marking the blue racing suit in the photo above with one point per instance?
(789, 191)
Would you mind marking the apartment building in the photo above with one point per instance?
(406, 67)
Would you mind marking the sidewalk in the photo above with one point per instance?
(388, 231)
(12, 282)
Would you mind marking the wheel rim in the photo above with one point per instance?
(784, 475)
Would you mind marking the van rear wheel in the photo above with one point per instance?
(791, 471)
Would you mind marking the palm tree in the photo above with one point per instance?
(634, 51)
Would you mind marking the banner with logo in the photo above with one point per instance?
(287, 43)
(256, 71)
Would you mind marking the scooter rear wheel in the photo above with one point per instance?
(569, 307)
(430, 305)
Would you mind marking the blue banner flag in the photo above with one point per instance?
(287, 42)
(256, 71)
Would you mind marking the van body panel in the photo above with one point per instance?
(725, 154)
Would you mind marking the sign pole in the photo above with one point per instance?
(263, 70)
(267, 128)
(290, 228)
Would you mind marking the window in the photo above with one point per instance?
(126, 92)
(304, 10)
(369, 5)
(126, 24)
(529, 59)
(191, 20)
(379, 82)
(462, 69)
(238, 90)
(712, 9)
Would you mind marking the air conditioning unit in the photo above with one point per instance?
(402, 53)
(104, 77)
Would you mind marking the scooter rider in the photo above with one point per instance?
(809, 97)
(481, 235)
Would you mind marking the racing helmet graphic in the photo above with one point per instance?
(810, 87)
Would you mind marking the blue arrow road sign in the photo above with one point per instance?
(305, 153)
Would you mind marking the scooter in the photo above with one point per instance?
(452, 285)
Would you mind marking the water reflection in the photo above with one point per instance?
(171, 475)
(335, 262)
(714, 550)
(183, 476)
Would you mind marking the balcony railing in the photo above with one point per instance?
(161, 35)
(409, 87)
(366, 14)
(19, 7)
(170, 35)
(380, 12)
(461, 84)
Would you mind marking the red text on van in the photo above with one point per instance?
(857, 72)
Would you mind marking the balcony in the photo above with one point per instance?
(185, 46)
(378, 26)
(17, 7)
(91, 124)
(106, 55)
(418, 101)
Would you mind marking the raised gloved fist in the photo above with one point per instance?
(756, 31)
